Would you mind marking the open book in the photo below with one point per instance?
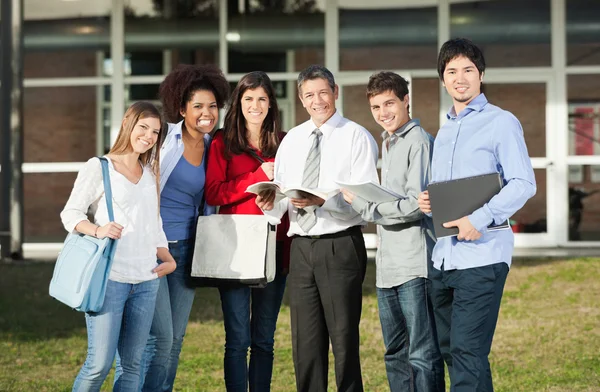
(291, 192)
(371, 191)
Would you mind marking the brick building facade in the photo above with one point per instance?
(60, 122)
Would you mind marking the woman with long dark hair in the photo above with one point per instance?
(243, 153)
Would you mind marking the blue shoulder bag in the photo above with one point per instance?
(83, 266)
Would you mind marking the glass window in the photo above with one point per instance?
(274, 36)
(532, 217)
(511, 33)
(584, 203)
(62, 39)
(583, 32)
(584, 114)
(394, 37)
(160, 34)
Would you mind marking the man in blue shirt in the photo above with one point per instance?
(471, 269)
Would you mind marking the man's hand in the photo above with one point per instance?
(348, 196)
(307, 201)
(265, 201)
(424, 203)
(466, 231)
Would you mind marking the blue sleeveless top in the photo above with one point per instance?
(181, 198)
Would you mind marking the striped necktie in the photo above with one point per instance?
(307, 217)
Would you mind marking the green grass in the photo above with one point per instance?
(547, 339)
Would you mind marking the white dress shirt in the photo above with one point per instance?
(348, 153)
(135, 208)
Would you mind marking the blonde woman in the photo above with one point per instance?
(122, 325)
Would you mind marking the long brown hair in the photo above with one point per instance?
(234, 127)
(136, 112)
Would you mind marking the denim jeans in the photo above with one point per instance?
(466, 304)
(412, 359)
(173, 306)
(121, 326)
(250, 326)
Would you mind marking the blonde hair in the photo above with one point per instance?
(151, 158)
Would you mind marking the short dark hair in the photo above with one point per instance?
(234, 127)
(460, 47)
(183, 81)
(316, 71)
(384, 81)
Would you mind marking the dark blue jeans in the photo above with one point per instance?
(412, 359)
(466, 305)
(250, 317)
(173, 306)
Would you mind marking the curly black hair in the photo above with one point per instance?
(184, 80)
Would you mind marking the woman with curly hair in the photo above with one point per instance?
(191, 96)
(243, 154)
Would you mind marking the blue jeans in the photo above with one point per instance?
(121, 326)
(250, 328)
(467, 303)
(173, 306)
(412, 359)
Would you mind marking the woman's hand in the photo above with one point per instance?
(269, 169)
(165, 268)
(111, 230)
(168, 264)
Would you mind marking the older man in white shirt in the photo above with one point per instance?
(328, 255)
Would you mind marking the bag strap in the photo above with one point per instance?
(107, 188)
(252, 152)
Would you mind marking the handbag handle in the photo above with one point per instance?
(107, 188)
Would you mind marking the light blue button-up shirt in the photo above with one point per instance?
(483, 139)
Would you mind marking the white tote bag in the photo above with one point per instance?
(235, 248)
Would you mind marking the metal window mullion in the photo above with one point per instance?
(443, 36)
(11, 97)
(117, 54)
(557, 124)
(99, 106)
(223, 44)
(66, 82)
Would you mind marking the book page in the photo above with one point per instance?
(265, 186)
(371, 192)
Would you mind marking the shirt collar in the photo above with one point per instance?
(177, 132)
(477, 104)
(329, 125)
(403, 130)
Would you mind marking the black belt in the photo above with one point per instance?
(343, 233)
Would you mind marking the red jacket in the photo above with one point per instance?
(226, 183)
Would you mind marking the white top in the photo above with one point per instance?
(135, 208)
(348, 154)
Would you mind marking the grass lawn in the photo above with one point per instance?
(547, 339)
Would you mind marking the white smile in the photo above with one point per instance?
(461, 89)
(145, 143)
(388, 120)
(205, 123)
(255, 113)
